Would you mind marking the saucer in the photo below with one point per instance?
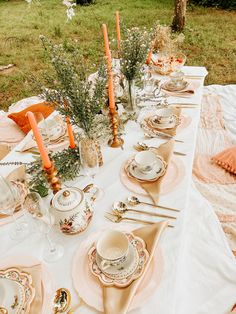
(158, 170)
(169, 86)
(153, 122)
(133, 271)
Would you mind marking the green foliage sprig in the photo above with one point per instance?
(67, 163)
(72, 93)
(134, 50)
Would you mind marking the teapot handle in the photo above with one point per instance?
(88, 189)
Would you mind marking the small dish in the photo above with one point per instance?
(133, 271)
(170, 87)
(158, 171)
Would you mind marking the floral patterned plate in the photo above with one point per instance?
(17, 291)
(121, 281)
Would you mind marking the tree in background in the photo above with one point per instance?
(179, 15)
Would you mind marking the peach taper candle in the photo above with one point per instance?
(39, 140)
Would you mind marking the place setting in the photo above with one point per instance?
(178, 86)
(119, 264)
(53, 131)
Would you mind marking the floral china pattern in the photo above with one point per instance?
(25, 282)
(143, 255)
(77, 222)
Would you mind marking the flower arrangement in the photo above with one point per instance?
(165, 41)
(72, 93)
(134, 49)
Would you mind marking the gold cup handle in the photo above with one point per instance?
(92, 190)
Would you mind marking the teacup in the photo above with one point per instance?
(177, 78)
(164, 115)
(112, 249)
(145, 161)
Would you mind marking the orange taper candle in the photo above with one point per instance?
(109, 67)
(118, 29)
(70, 133)
(149, 57)
(39, 140)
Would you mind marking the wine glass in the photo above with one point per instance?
(35, 205)
(89, 158)
(10, 199)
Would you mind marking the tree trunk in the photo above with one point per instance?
(179, 17)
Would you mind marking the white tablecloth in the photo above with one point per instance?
(200, 271)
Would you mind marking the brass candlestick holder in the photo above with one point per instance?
(116, 141)
(53, 180)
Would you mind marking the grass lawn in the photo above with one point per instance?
(210, 37)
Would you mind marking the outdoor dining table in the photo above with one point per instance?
(195, 231)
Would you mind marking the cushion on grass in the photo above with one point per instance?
(226, 159)
(21, 119)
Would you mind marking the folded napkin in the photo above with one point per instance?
(4, 150)
(186, 92)
(153, 188)
(17, 174)
(36, 272)
(117, 300)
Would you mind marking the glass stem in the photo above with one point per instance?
(51, 245)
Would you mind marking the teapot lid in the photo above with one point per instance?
(67, 199)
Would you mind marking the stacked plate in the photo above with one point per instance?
(131, 269)
(172, 87)
(159, 169)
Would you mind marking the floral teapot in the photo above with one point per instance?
(72, 208)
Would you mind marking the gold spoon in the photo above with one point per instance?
(144, 146)
(133, 201)
(3, 310)
(121, 208)
(61, 300)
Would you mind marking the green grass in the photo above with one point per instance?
(210, 37)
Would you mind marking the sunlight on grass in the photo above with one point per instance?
(210, 36)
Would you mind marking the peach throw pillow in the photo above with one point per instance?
(21, 119)
(226, 159)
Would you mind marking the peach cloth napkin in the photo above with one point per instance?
(36, 272)
(172, 131)
(4, 150)
(153, 188)
(117, 300)
(17, 174)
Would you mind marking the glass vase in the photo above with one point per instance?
(131, 95)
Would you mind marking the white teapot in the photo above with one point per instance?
(72, 208)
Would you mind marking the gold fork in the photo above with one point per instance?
(118, 218)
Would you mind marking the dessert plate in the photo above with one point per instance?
(17, 291)
(158, 170)
(171, 87)
(89, 287)
(133, 269)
